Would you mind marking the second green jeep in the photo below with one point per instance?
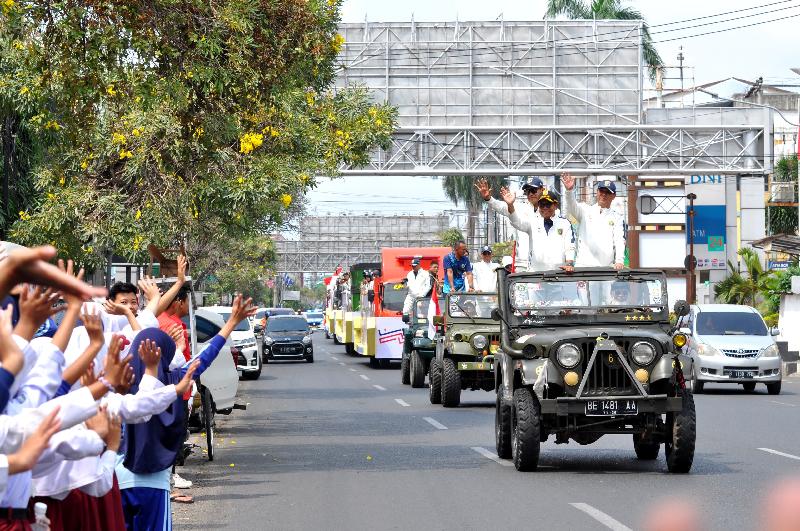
(465, 349)
(418, 348)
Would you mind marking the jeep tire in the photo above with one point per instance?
(405, 378)
(645, 447)
(416, 370)
(436, 383)
(451, 384)
(525, 430)
(502, 427)
(681, 434)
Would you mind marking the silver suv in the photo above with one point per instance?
(730, 343)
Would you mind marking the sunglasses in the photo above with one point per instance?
(546, 204)
(529, 191)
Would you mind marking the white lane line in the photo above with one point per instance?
(601, 517)
(489, 455)
(379, 387)
(342, 363)
(352, 370)
(776, 452)
(783, 403)
(402, 402)
(364, 376)
(334, 358)
(436, 424)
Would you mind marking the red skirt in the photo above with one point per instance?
(82, 512)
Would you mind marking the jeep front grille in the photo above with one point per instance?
(606, 377)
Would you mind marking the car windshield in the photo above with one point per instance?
(260, 315)
(287, 324)
(243, 326)
(596, 296)
(421, 307)
(394, 295)
(469, 305)
(730, 324)
(314, 315)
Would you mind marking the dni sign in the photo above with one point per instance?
(705, 179)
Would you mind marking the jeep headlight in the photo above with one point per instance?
(268, 340)
(479, 342)
(568, 355)
(306, 340)
(770, 351)
(643, 353)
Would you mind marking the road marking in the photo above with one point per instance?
(402, 402)
(364, 376)
(434, 423)
(489, 455)
(601, 517)
(342, 363)
(334, 358)
(352, 370)
(379, 387)
(776, 452)
(783, 403)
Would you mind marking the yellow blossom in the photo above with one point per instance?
(378, 122)
(189, 74)
(250, 141)
(338, 40)
(372, 111)
(52, 124)
(62, 180)
(118, 138)
(18, 45)
(24, 215)
(310, 98)
(24, 90)
(240, 180)
(84, 164)
(51, 196)
(138, 214)
(110, 90)
(304, 178)
(286, 199)
(137, 131)
(198, 132)
(125, 154)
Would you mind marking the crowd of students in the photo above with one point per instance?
(94, 408)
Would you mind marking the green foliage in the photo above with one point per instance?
(243, 269)
(751, 287)
(451, 236)
(612, 10)
(501, 249)
(783, 220)
(163, 122)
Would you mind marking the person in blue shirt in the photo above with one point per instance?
(458, 270)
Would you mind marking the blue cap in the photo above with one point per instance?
(533, 182)
(607, 185)
(486, 249)
(415, 261)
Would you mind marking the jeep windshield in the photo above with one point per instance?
(629, 297)
(470, 305)
(394, 295)
(421, 309)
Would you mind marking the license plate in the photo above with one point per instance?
(474, 366)
(740, 374)
(611, 408)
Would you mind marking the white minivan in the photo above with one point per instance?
(730, 343)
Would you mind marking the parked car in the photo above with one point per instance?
(288, 337)
(314, 318)
(248, 363)
(730, 343)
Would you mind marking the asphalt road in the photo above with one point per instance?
(339, 445)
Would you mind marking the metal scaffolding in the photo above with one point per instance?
(517, 98)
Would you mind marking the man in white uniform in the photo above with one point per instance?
(419, 284)
(601, 238)
(532, 189)
(552, 245)
(484, 272)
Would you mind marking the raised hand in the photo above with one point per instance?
(186, 382)
(114, 433)
(115, 308)
(34, 309)
(27, 456)
(94, 325)
(10, 354)
(149, 288)
(114, 370)
(176, 333)
(150, 354)
(127, 381)
(568, 181)
(31, 265)
(88, 377)
(99, 423)
(482, 185)
(71, 298)
(181, 268)
(508, 196)
(242, 309)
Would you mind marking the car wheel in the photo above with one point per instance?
(310, 359)
(749, 387)
(695, 385)
(645, 447)
(451, 384)
(525, 430)
(327, 334)
(681, 435)
(373, 362)
(774, 388)
(208, 421)
(405, 376)
(502, 427)
(350, 349)
(435, 390)
(416, 370)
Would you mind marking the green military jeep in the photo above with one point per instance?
(587, 354)
(465, 348)
(418, 348)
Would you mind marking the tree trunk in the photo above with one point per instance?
(8, 169)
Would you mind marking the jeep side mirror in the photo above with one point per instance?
(681, 308)
(495, 315)
(406, 318)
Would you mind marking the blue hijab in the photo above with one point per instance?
(152, 446)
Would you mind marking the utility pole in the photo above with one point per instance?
(690, 260)
(680, 68)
